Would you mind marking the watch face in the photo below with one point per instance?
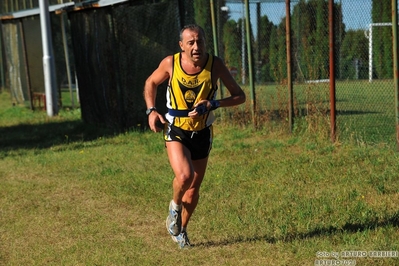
(148, 111)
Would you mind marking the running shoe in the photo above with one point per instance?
(182, 240)
(173, 221)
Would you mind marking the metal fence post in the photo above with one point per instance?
(395, 64)
(289, 63)
(250, 69)
(332, 68)
(2, 59)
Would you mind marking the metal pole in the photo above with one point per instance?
(26, 64)
(289, 63)
(215, 31)
(219, 45)
(258, 33)
(250, 69)
(66, 52)
(340, 40)
(243, 65)
(332, 68)
(48, 60)
(395, 64)
(215, 40)
(2, 60)
(370, 52)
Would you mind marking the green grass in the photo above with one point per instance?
(365, 112)
(74, 194)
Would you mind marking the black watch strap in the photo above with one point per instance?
(149, 110)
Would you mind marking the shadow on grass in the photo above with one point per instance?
(42, 136)
(282, 115)
(355, 112)
(347, 228)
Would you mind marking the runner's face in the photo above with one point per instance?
(193, 45)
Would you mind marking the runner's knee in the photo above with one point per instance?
(185, 179)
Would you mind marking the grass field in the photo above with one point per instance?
(365, 112)
(74, 194)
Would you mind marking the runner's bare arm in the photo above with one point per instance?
(150, 90)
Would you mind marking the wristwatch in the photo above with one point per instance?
(215, 104)
(149, 110)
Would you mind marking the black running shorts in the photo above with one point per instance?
(198, 142)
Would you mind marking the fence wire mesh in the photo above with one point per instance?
(23, 54)
(365, 95)
(14, 55)
(116, 47)
(115, 50)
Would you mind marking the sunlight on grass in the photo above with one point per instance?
(75, 194)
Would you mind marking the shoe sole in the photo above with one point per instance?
(174, 239)
(167, 228)
(184, 247)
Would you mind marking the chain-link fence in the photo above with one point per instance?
(365, 96)
(22, 55)
(117, 46)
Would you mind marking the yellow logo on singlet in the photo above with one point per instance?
(189, 96)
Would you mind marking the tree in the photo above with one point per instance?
(278, 54)
(382, 39)
(354, 55)
(263, 43)
(202, 16)
(310, 40)
(232, 44)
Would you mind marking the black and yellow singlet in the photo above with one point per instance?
(184, 91)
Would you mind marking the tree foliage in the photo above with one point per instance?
(310, 42)
(266, 27)
(354, 54)
(202, 16)
(382, 39)
(278, 54)
(310, 39)
(232, 43)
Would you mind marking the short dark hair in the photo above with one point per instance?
(193, 27)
